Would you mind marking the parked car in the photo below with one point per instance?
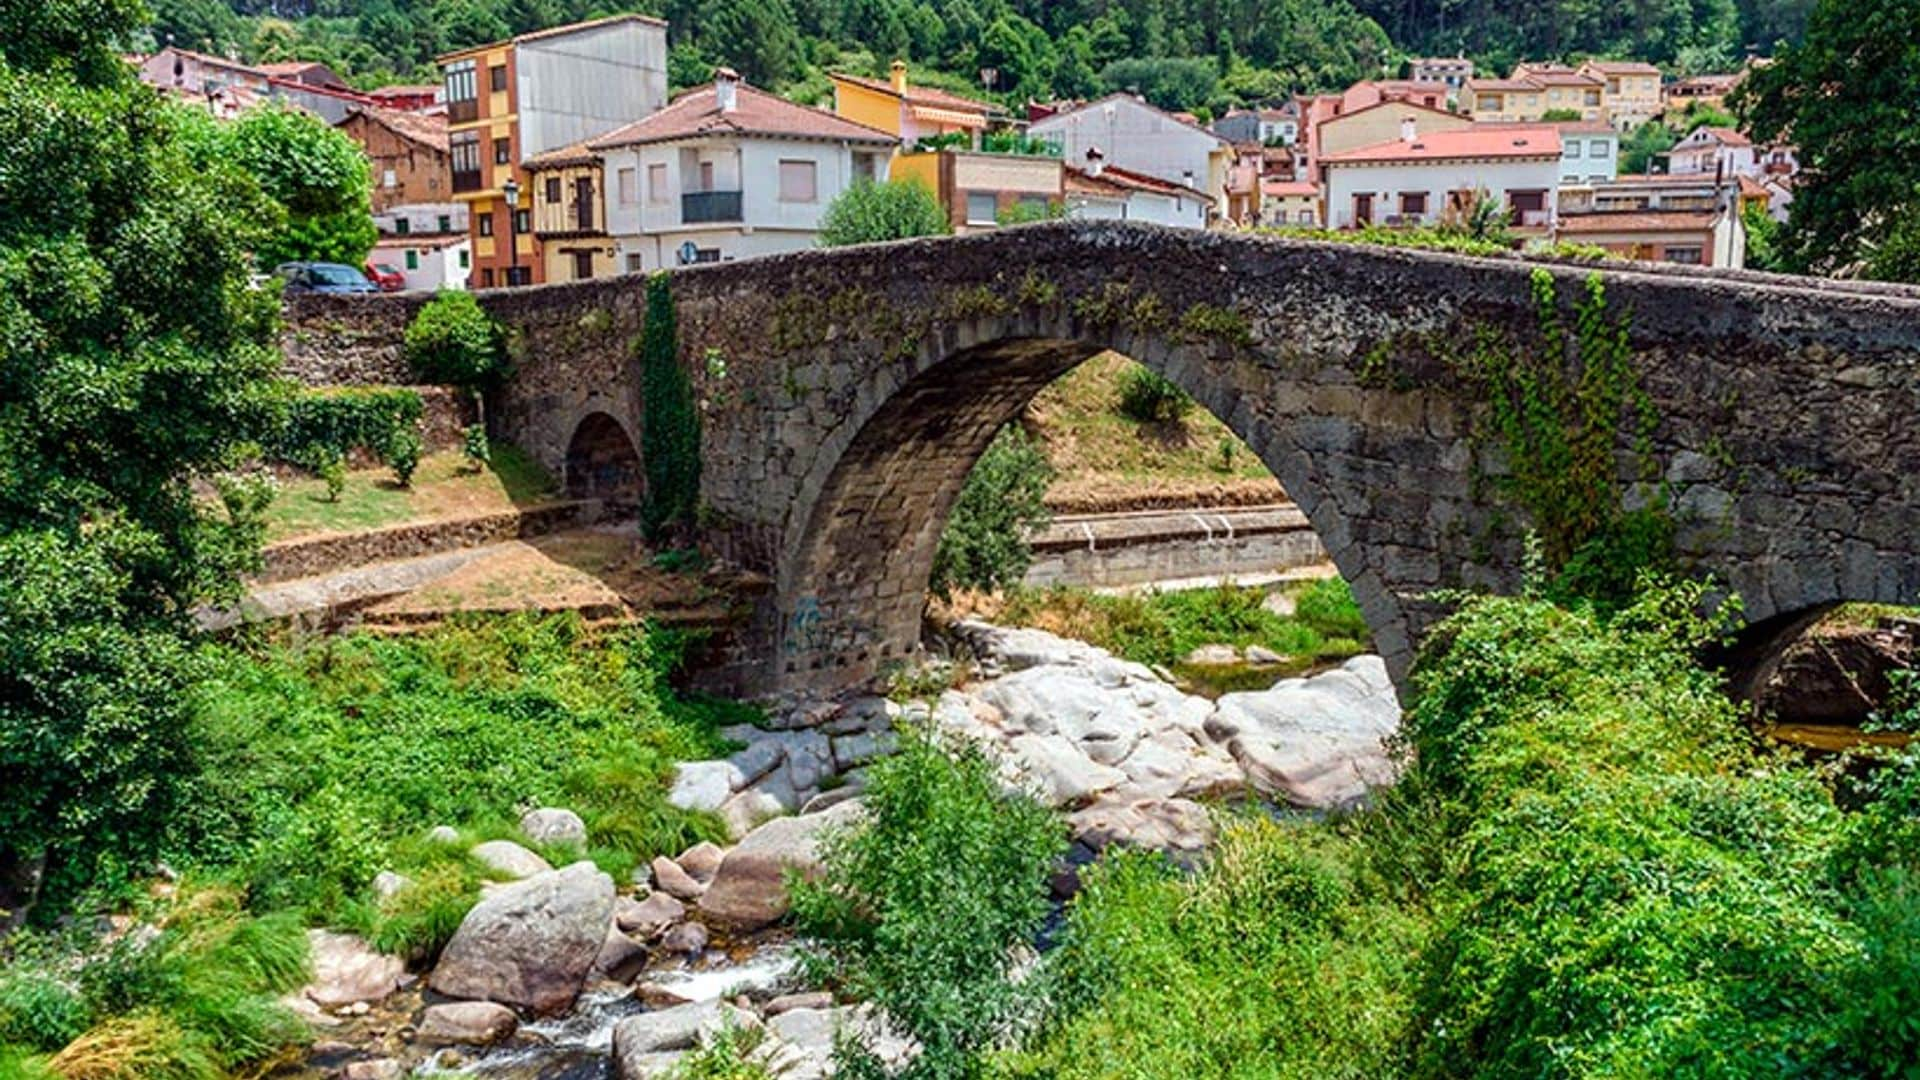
(320, 277)
(387, 276)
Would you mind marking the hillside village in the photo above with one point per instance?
(559, 155)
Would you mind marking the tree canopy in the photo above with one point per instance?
(891, 210)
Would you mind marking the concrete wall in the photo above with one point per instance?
(579, 85)
(1112, 550)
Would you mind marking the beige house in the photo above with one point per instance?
(1382, 122)
(569, 214)
(1632, 92)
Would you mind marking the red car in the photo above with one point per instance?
(385, 276)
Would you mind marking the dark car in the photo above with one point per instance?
(320, 277)
(387, 276)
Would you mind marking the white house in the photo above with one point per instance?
(421, 219)
(1135, 136)
(1711, 150)
(728, 171)
(1419, 179)
(427, 263)
(1691, 218)
(1102, 192)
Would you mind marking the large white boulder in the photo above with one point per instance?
(1318, 742)
(531, 943)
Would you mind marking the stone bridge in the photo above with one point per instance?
(846, 394)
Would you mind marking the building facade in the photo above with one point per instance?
(517, 99)
(1290, 204)
(1630, 91)
(408, 153)
(727, 172)
(909, 113)
(1101, 192)
(1692, 220)
(1424, 179)
(1453, 71)
(426, 263)
(1710, 150)
(569, 215)
(1139, 138)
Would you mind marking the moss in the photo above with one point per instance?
(1209, 322)
(975, 302)
(1037, 291)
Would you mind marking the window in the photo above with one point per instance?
(459, 81)
(634, 262)
(629, 184)
(389, 179)
(502, 151)
(1305, 217)
(866, 166)
(463, 156)
(657, 184)
(1599, 148)
(798, 182)
(446, 222)
(519, 275)
(582, 265)
(486, 277)
(413, 259)
(402, 225)
(486, 223)
(982, 207)
(1691, 256)
(553, 189)
(464, 258)
(497, 77)
(1573, 148)
(1413, 203)
(706, 255)
(706, 176)
(523, 221)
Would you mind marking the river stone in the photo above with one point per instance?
(531, 943)
(812, 999)
(387, 885)
(1262, 656)
(376, 1069)
(702, 861)
(621, 958)
(346, 970)
(748, 809)
(809, 759)
(469, 1023)
(1213, 656)
(1319, 742)
(650, 916)
(688, 937)
(510, 859)
(551, 825)
(678, 1028)
(443, 834)
(1179, 828)
(749, 892)
(853, 751)
(762, 756)
(704, 785)
(1065, 776)
(670, 878)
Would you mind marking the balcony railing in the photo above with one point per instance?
(460, 112)
(467, 181)
(702, 206)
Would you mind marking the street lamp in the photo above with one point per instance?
(511, 189)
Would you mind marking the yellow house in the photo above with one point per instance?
(1632, 91)
(1383, 122)
(911, 112)
(569, 214)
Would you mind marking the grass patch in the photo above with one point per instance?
(445, 485)
(1163, 627)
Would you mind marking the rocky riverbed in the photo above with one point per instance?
(562, 972)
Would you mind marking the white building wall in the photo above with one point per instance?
(1136, 136)
(585, 84)
(1436, 179)
(435, 268)
(1587, 159)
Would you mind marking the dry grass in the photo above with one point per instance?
(142, 1046)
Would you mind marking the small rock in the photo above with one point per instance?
(443, 834)
(1280, 603)
(469, 1023)
(748, 810)
(750, 890)
(704, 785)
(655, 996)
(762, 756)
(387, 885)
(510, 859)
(377, 1069)
(677, 1028)
(1213, 656)
(827, 800)
(817, 999)
(359, 1008)
(346, 970)
(648, 917)
(621, 958)
(702, 861)
(669, 878)
(1263, 656)
(851, 751)
(688, 937)
(550, 825)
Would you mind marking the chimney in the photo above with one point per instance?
(899, 73)
(1096, 161)
(1408, 129)
(726, 89)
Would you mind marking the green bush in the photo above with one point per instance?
(891, 210)
(1162, 628)
(403, 454)
(321, 425)
(38, 1010)
(984, 545)
(1152, 398)
(1327, 606)
(923, 905)
(476, 447)
(452, 341)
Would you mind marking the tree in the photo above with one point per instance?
(1174, 84)
(757, 37)
(868, 213)
(1844, 98)
(318, 175)
(1643, 144)
(134, 361)
(985, 542)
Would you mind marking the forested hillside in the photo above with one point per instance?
(1198, 54)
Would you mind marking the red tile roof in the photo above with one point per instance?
(427, 129)
(922, 95)
(1725, 136)
(1516, 141)
(1623, 67)
(757, 112)
(1114, 180)
(1285, 189)
(1637, 221)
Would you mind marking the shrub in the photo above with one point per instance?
(923, 906)
(403, 454)
(670, 428)
(1327, 606)
(984, 545)
(1152, 398)
(452, 341)
(476, 447)
(891, 210)
(333, 423)
(39, 1011)
(733, 1053)
(333, 472)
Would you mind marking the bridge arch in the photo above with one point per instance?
(602, 461)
